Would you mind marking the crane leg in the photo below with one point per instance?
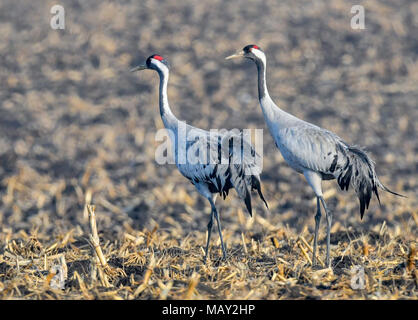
(204, 191)
(314, 179)
(317, 222)
(218, 221)
(210, 224)
(329, 222)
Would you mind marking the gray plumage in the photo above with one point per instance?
(216, 168)
(214, 162)
(315, 152)
(308, 147)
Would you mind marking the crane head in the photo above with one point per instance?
(252, 51)
(154, 62)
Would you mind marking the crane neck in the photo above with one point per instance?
(169, 119)
(267, 105)
(274, 116)
(262, 86)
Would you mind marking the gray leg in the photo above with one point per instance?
(317, 222)
(210, 224)
(219, 229)
(329, 222)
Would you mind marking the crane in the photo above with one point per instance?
(214, 162)
(315, 152)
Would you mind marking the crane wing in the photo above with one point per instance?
(311, 147)
(222, 161)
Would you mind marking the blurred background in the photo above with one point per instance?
(76, 126)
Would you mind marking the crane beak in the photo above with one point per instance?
(137, 68)
(239, 54)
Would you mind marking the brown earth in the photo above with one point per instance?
(76, 126)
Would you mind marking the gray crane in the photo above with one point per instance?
(214, 162)
(315, 152)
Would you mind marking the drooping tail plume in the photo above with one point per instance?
(360, 173)
(245, 173)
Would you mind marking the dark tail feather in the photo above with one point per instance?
(255, 184)
(248, 203)
(390, 191)
(360, 173)
(381, 186)
(237, 178)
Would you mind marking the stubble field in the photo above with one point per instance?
(77, 128)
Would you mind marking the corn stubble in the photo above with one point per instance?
(77, 130)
